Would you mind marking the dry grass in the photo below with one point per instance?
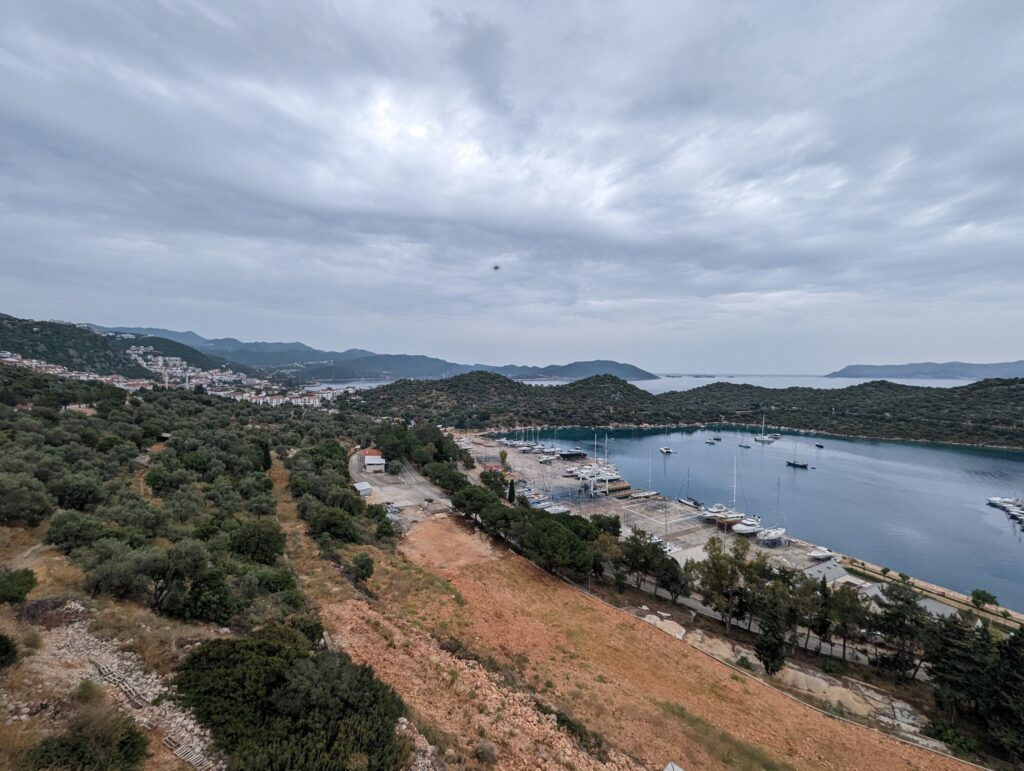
(616, 673)
(159, 642)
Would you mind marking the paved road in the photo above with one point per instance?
(835, 649)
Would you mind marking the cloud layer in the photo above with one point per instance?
(746, 187)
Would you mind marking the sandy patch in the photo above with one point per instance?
(440, 543)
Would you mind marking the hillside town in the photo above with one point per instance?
(175, 372)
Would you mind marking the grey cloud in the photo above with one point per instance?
(740, 186)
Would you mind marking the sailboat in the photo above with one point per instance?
(763, 438)
(794, 463)
(730, 516)
(774, 534)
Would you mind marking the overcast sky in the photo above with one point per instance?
(746, 187)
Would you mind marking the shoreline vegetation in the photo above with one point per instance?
(984, 414)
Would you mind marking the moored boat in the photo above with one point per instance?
(749, 525)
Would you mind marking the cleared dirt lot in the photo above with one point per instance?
(627, 680)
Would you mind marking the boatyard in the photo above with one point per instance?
(587, 483)
(591, 485)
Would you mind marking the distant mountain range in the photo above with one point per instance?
(307, 363)
(950, 370)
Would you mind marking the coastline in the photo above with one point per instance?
(789, 429)
(855, 565)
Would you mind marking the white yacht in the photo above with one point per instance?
(749, 525)
(771, 534)
(763, 438)
(556, 508)
(666, 450)
(821, 553)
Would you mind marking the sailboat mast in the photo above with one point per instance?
(734, 484)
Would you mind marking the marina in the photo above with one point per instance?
(918, 509)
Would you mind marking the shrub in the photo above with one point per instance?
(485, 752)
(260, 540)
(77, 491)
(945, 733)
(97, 739)
(70, 530)
(272, 705)
(362, 568)
(23, 499)
(16, 584)
(833, 667)
(8, 651)
(88, 691)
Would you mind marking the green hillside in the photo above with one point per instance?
(68, 346)
(990, 412)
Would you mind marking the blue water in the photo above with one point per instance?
(919, 509)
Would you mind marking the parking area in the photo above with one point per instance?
(412, 495)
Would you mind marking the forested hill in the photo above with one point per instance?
(68, 346)
(413, 366)
(989, 412)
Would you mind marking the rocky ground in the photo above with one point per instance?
(70, 653)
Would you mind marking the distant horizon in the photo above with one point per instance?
(660, 372)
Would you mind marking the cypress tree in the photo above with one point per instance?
(511, 491)
(771, 643)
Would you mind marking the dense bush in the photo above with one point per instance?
(272, 704)
(97, 739)
(23, 500)
(259, 540)
(8, 651)
(16, 584)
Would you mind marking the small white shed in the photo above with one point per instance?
(363, 488)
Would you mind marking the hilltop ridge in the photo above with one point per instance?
(988, 412)
(305, 362)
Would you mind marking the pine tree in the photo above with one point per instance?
(771, 643)
(1004, 709)
(902, 620)
(849, 611)
(960, 661)
(822, 623)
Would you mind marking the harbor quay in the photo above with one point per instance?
(682, 526)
